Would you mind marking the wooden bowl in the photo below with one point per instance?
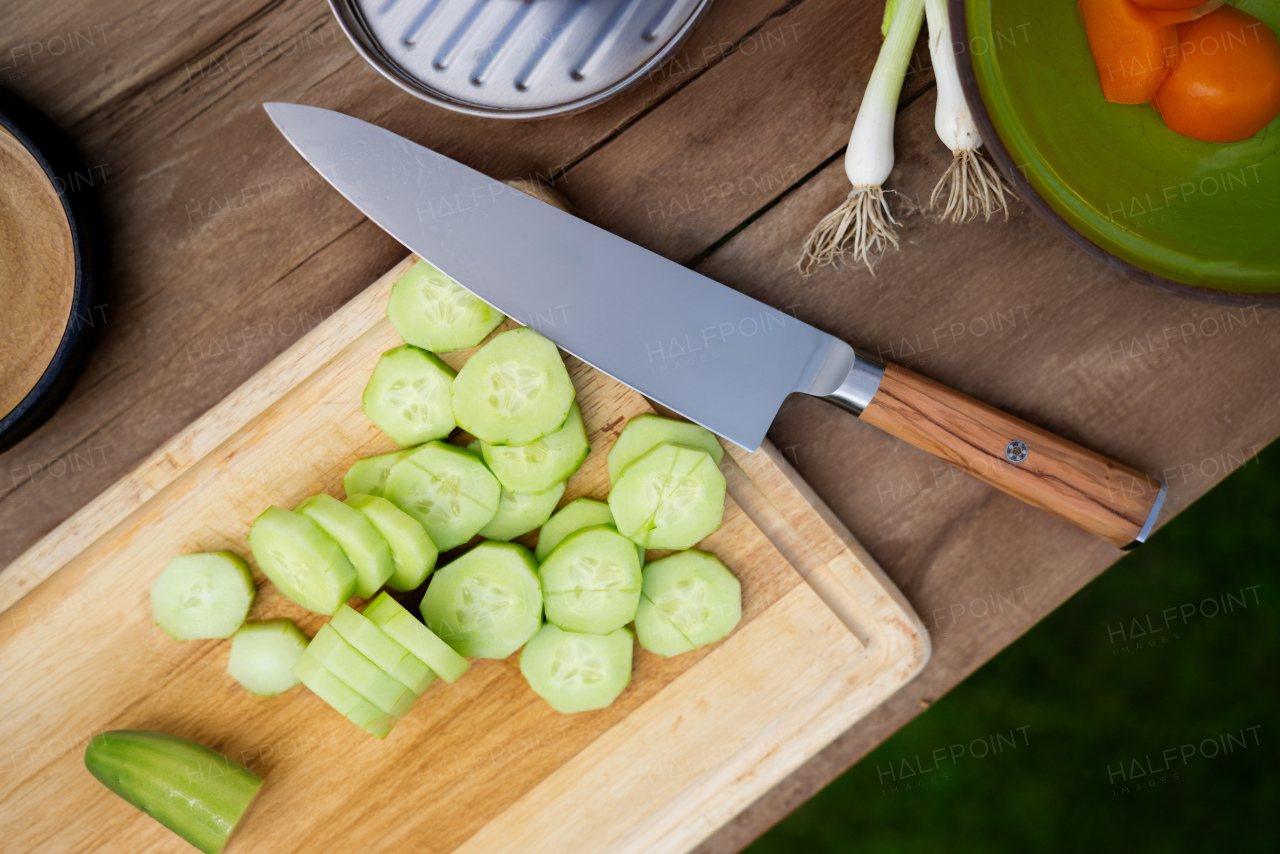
(48, 269)
(1194, 218)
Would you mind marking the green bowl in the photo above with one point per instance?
(1197, 218)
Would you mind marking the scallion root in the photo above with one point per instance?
(972, 186)
(861, 226)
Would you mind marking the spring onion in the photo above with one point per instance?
(971, 184)
(863, 223)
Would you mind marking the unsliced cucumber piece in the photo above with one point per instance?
(645, 432)
(369, 680)
(574, 516)
(205, 595)
(369, 475)
(447, 489)
(487, 603)
(263, 655)
(412, 551)
(342, 697)
(388, 615)
(196, 792)
(670, 498)
(596, 558)
(596, 612)
(577, 672)
(377, 646)
(408, 396)
(695, 593)
(303, 562)
(520, 512)
(656, 632)
(367, 549)
(538, 466)
(514, 391)
(432, 311)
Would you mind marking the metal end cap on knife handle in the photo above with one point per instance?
(1151, 520)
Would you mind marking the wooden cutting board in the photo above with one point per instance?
(483, 765)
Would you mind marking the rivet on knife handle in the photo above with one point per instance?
(1107, 498)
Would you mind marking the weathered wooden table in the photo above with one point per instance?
(226, 247)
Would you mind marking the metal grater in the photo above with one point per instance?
(516, 58)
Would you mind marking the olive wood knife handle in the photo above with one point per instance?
(1107, 498)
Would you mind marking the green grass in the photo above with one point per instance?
(1094, 698)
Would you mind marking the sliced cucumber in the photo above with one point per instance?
(596, 612)
(304, 563)
(432, 311)
(408, 396)
(577, 672)
(205, 595)
(412, 552)
(196, 792)
(377, 646)
(342, 697)
(367, 549)
(388, 615)
(487, 603)
(519, 513)
(695, 594)
(574, 516)
(369, 476)
(539, 466)
(447, 489)
(514, 391)
(263, 655)
(645, 432)
(591, 559)
(670, 498)
(369, 680)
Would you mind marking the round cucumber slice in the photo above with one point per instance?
(487, 603)
(700, 597)
(577, 672)
(342, 697)
(514, 391)
(596, 558)
(408, 396)
(367, 550)
(596, 612)
(377, 646)
(574, 516)
(205, 595)
(447, 489)
(645, 432)
(657, 633)
(369, 680)
(519, 513)
(388, 615)
(432, 311)
(263, 655)
(670, 498)
(413, 555)
(369, 476)
(538, 466)
(302, 561)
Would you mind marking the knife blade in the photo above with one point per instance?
(716, 356)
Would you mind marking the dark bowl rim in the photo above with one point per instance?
(995, 146)
(56, 157)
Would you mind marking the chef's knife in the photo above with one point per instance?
(716, 356)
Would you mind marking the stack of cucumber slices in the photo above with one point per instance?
(572, 603)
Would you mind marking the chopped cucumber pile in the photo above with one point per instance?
(263, 655)
(588, 575)
(408, 396)
(432, 311)
(202, 596)
(487, 603)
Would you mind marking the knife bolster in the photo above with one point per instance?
(860, 384)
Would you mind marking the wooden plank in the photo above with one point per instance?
(807, 660)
